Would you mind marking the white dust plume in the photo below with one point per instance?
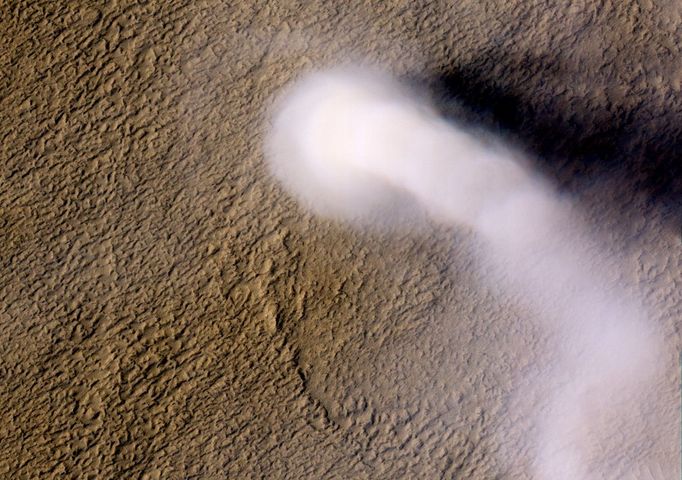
(347, 142)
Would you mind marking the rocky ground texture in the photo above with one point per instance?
(167, 311)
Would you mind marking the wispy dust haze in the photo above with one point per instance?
(349, 142)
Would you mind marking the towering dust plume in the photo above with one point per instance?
(347, 142)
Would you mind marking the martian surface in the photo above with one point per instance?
(193, 285)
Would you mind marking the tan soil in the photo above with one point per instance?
(167, 311)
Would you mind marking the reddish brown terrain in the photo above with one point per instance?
(168, 311)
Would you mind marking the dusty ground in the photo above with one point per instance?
(166, 311)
